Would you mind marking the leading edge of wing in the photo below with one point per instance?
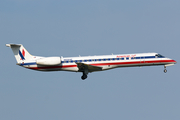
(91, 68)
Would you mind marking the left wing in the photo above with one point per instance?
(90, 68)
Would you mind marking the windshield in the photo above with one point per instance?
(159, 56)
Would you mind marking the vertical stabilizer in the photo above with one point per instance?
(20, 53)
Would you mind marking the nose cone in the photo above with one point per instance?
(174, 61)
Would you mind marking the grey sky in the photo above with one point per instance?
(73, 28)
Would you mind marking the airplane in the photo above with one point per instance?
(87, 64)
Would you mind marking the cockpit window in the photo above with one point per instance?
(159, 56)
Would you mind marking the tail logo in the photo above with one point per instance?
(22, 54)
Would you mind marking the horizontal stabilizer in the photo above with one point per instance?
(9, 45)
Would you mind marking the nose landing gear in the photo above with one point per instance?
(165, 69)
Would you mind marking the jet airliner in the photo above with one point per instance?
(87, 64)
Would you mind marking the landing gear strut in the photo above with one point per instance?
(165, 69)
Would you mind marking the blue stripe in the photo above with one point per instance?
(109, 59)
(149, 57)
(34, 63)
(22, 57)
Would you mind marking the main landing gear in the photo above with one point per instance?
(84, 76)
(165, 69)
(85, 73)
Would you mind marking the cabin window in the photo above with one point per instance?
(113, 58)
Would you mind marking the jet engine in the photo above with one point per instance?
(49, 61)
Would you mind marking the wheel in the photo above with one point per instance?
(165, 70)
(83, 77)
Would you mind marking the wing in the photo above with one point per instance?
(90, 68)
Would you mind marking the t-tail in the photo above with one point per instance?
(20, 53)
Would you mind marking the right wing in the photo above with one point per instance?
(90, 68)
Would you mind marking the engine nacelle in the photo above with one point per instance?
(49, 61)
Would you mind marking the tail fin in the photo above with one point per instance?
(20, 52)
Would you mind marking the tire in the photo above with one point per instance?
(83, 77)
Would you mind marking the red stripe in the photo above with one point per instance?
(52, 67)
(103, 64)
(136, 62)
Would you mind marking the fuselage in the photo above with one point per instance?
(86, 64)
(105, 61)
